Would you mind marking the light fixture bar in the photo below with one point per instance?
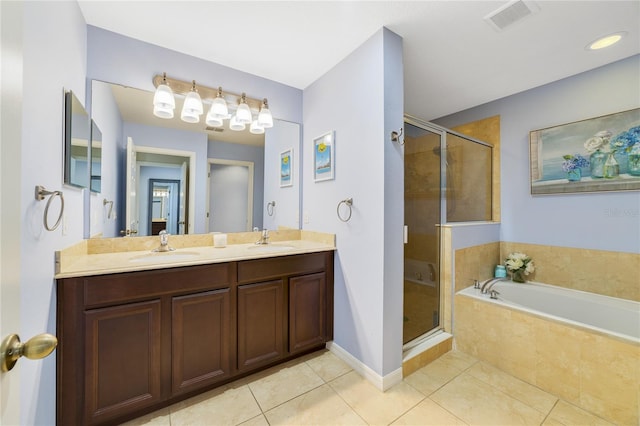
(184, 87)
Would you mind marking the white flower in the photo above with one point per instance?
(514, 264)
(605, 134)
(530, 268)
(593, 144)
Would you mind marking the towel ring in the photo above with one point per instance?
(349, 203)
(41, 193)
(397, 137)
(270, 206)
(104, 203)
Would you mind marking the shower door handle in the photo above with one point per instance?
(406, 234)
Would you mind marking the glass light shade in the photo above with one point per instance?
(243, 114)
(163, 102)
(163, 112)
(235, 125)
(213, 120)
(219, 107)
(264, 118)
(256, 128)
(192, 108)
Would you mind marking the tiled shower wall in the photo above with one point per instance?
(603, 272)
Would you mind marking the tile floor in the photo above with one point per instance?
(320, 389)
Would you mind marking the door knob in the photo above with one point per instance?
(35, 348)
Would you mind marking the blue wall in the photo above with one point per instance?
(361, 100)
(600, 221)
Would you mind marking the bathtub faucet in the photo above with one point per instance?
(486, 285)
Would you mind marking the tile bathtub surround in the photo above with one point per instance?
(476, 263)
(597, 271)
(456, 389)
(597, 373)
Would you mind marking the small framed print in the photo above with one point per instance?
(286, 168)
(324, 156)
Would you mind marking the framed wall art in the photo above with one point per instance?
(324, 157)
(286, 168)
(592, 155)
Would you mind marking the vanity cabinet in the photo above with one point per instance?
(130, 343)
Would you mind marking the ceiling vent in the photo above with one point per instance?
(214, 129)
(510, 13)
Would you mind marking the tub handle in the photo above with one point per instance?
(494, 294)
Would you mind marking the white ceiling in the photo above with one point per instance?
(453, 59)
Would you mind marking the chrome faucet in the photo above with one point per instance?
(164, 241)
(264, 237)
(485, 287)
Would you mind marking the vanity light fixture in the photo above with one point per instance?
(606, 41)
(192, 108)
(265, 119)
(247, 112)
(243, 113)
(163, 100)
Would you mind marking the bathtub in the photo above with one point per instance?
(420, 272)
(603, 314)
(578, 346)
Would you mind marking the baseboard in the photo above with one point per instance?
(381, 382)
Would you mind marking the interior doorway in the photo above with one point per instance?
(230, 195)
(164, 207)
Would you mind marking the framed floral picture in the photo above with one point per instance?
(592, 155)
(324, 157)
(286, 168)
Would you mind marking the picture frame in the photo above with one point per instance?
(592, 155)
(286, 168)
(324, 157)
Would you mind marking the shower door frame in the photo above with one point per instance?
(442, 131)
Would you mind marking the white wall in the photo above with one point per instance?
(600, 221)
(352, 99)
(54, 57)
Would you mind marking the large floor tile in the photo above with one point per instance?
(522, 391)
(373, 405)
(458, 360)
(428, 413)
(286, 384)
(256, 421)
(328, 366)
(231, 407)
(321, 406)
(478, 403)
(571, 415)
(436, 374)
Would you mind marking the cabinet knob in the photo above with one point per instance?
(37, 347)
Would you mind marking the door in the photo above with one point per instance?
(261, 324)
(307, 306)
(230, 196)
(131, 216)
(201, 335)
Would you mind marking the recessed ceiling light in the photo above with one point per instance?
(606, 41)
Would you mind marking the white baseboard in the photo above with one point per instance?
(381, 382)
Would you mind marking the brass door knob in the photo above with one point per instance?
(37, 347)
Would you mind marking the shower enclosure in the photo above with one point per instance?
(447, 178)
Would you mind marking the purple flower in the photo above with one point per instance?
(572, 162)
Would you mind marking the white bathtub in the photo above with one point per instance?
(603, 314)
(420, 272)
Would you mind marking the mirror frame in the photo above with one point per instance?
(95, 154)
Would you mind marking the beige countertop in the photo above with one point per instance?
(108, 256)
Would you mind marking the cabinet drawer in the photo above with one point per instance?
(276, 267)
(127, 287)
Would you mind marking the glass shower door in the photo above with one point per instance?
(422, 207)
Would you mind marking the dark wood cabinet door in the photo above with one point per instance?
(201, 340)
(122, 368)
(307, 306)
(261, 324)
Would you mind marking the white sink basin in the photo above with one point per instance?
(269, 248)
(165, 256)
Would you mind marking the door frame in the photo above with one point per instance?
(225, 162)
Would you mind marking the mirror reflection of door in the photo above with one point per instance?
(164, 206)
(231, 196)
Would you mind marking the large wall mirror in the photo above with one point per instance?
(221, 180)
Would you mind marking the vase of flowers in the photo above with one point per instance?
(611, 167)
(627, 143)
(519, 265)
(572, 165)
(596, 146)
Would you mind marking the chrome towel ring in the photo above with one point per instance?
(349, 203)
(41, 193)
(270, 206)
